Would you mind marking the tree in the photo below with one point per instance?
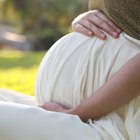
(43, 21)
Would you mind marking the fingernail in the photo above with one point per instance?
(115, 34)
(118, 30)
(90, 33)
(103, 35)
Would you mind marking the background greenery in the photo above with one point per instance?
(18, 70)
(42, 22)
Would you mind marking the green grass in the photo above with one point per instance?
(18, 70)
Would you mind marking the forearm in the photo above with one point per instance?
(119, 90)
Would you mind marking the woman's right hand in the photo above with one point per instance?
(94, 22)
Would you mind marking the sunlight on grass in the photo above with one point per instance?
(18, 70)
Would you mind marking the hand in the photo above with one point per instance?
(56, 107)
(94, 22)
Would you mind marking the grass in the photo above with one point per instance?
(18, 70)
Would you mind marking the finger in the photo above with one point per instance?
(108, 20)
(104, 26)
(82, 29)
(92, 27)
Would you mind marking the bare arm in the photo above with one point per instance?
(119, 90)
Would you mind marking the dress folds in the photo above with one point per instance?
(74, 67)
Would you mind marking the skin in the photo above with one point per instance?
(116, 92)
(94, 22)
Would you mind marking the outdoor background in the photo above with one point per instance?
(28, 28)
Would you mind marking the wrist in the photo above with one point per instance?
(74, 111)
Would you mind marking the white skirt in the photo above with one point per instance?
(74, 67)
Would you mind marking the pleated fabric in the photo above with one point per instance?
(74, 67)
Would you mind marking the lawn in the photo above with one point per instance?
(18, 70)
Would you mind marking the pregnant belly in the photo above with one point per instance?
(76, 65)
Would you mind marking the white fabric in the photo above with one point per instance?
(16, 97)
(74, 67)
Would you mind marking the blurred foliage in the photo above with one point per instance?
(19, 71)
(43, 21)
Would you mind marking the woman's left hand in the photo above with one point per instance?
(53, 106)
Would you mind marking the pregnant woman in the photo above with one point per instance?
(84, 79)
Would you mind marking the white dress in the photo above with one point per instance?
(74, 67)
